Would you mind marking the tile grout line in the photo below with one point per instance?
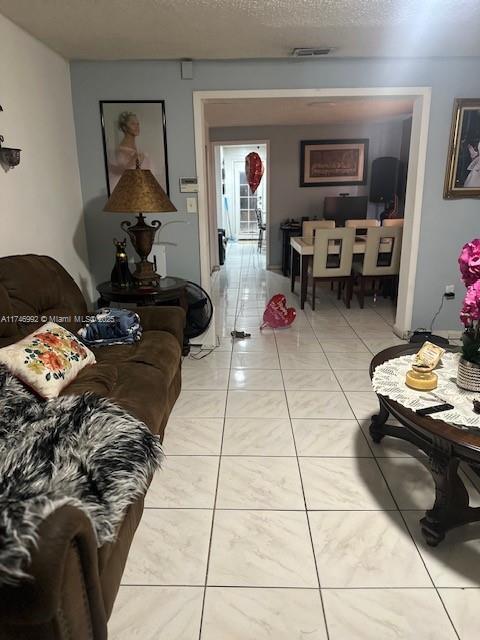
(392, 495)
(396, 503)
(200, 631)
(220, 456)
(405, 522)
(306, 508)
(214, 502)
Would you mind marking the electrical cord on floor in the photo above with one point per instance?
(205, 352)
(240, 335)
(422, 333)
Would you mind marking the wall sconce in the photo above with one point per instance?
(9, 157)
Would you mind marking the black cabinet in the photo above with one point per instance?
(289, 230)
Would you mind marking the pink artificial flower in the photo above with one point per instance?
(470, 312)
(469, 261)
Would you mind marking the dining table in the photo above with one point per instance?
(303, 246)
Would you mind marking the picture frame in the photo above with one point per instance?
(326, 163)
(131, 128)
(462, 177)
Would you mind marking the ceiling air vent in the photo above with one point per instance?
(311, 52)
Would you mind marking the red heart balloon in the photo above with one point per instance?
(276, 314)
(254, 170)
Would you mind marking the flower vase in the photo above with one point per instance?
(468, 376)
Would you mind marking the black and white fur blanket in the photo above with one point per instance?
(77, 450)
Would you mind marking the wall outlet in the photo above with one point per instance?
(449, 291)
(191, 205)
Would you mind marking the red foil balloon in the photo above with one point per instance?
(254, 170)
(276, 314)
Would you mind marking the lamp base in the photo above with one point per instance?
(142, 236)
(144, 274)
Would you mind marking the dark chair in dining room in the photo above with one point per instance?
(262, 227)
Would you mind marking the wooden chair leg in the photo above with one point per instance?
(349, 292)
(331, 285)
(339, 290)
(313, 293)
(361, 292)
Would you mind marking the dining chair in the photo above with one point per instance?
(381, 260)
(310, 226)
(262, 227)
(393, 222)
(362, 224)
(334, 266)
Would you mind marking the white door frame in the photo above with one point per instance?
(414, 193)
(241, 143)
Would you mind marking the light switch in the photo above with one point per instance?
(191, 205)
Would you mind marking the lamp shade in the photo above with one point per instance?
(138, 191)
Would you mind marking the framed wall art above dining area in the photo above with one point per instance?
(326, 163)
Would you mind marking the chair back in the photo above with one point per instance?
(310, 226)
(382, 251)
(362, 224)
(258, 213)
(333, 252)
(393, 222)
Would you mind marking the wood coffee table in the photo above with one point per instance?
(446, 446)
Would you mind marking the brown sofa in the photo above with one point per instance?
(75, 583)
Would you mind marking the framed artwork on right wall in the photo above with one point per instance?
(462, 179)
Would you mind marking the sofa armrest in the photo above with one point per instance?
(171, 319)
(64, 599)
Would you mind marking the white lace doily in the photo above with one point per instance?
(389, 380)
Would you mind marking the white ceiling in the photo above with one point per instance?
(155, 29)
(304, 111)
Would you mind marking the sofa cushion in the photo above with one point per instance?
(39, 286)
(137, 377)
(47, 360)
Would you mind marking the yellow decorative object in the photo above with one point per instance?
(421, 381)
(421, 376)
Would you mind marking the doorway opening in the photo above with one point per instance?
(222, 114)
(242, 215)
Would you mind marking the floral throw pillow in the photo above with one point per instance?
(47, 360)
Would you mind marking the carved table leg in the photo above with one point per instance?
(451, 508)
(376, 426)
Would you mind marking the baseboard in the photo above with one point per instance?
(449, 334)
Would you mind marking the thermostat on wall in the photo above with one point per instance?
(188, 185)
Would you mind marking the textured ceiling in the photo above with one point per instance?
(128, 29)
(298, 111)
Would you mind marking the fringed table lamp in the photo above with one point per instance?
(138, 192)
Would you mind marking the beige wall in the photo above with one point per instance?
(41, 208)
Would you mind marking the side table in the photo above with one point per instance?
(170, 290)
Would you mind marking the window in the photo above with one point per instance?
(249, 202)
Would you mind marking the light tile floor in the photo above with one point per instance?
(275, 517)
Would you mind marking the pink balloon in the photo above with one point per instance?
(276, 314)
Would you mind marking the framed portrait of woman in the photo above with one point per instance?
(462, 178)
(134, 129)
